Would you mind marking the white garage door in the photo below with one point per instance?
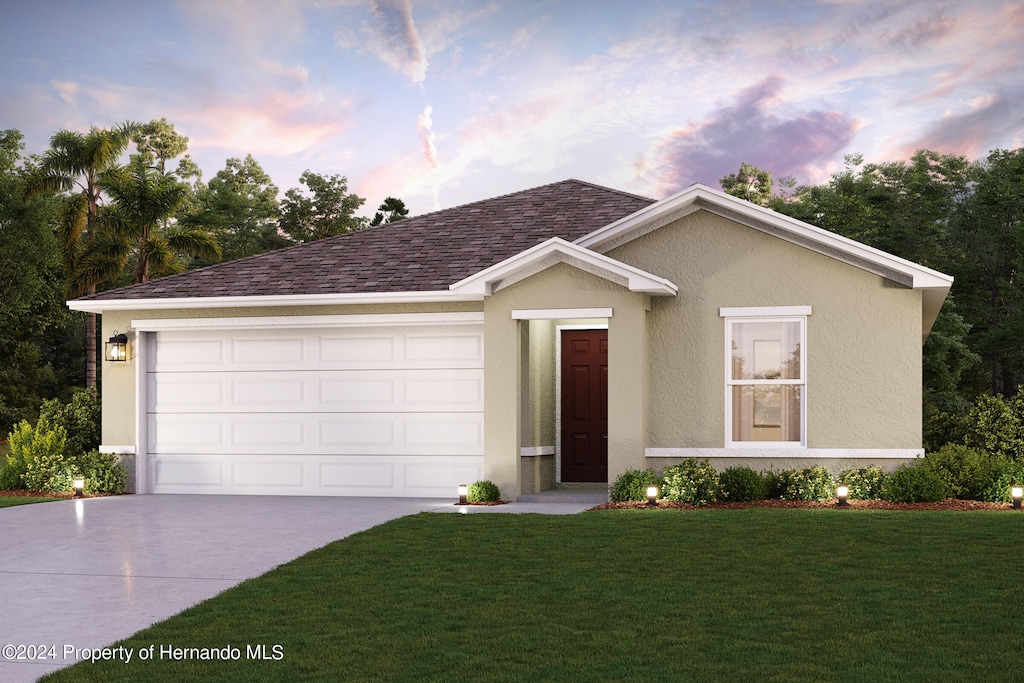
(384, 411)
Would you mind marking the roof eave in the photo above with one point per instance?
(274, 301)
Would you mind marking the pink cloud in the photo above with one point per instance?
(973, 133)
(280, 123)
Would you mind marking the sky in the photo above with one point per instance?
(442, 103)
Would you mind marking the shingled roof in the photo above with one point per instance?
(424, 253)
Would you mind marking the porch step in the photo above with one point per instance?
(567, 496)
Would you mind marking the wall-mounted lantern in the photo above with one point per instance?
(116, 348)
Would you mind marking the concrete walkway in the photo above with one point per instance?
(81, 574)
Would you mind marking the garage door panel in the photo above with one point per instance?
(448, 390)
(359, 475)
(383, 433)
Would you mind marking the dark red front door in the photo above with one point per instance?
(585, 405)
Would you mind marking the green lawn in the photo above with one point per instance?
(11, 501)
(629, 595)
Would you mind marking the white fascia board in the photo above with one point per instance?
(923, 277)
(488, 280)
(275, 301)
(292, 322)
(560, 313)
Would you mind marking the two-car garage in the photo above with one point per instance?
(355, 409)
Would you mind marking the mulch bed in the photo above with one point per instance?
(948, 504)
(44, 494)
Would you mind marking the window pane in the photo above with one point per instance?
(766, 350)
(766, 413)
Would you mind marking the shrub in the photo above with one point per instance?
(1002, 477)
(12, 473)
(914, 484)
(776, 483)
(813, 483)
(691, 482)
(741, 484)
(964, 470)
(42, 449)
(80, 417)
(483, 492)
(102, 473)
(864, 483)
(632, 485)
(996, 424)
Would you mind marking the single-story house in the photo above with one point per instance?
(561, 334)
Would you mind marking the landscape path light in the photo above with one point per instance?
(652, 495)
(463, 494)
(842, 492)
(1016, 492)
(79, 487)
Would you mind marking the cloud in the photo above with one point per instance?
(392, 37)
(424, 125)
(974, 133)
(750, 131)
(277, 123)
(66, 90)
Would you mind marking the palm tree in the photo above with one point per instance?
(79, 161)
(137, 222)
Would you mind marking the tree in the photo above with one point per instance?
(391, 209)
(330, 211)
(750, 183)
(77, 160)
(143, 200)
(239, 207)
(33, 318)
(159, 142)
(986, 256)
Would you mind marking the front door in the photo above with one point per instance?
(585, 405)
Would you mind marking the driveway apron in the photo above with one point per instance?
(81, 574)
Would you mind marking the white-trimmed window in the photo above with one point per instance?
(766, 375)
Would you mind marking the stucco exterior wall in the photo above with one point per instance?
(863, 336)
(561, 286)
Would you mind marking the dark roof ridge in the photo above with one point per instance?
(631, 195)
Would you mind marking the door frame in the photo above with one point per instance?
(558, 386)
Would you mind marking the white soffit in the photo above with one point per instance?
(552, 252)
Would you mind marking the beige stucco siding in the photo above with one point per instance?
(561, 286)
(119, 390)
(863, 337)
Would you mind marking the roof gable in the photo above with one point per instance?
(933, 284)
(541, 257)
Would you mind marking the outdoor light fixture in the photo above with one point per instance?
(652, 495)
(79, 487)
(116, 348)
(463, 492)
(1016, 492)
(841, 493)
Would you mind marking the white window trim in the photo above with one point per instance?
(758, 315)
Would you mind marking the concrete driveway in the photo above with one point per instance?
(82, 574)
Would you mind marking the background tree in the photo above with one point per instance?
(985, 253)
(158, 142)
(77, 161)
(329, 211)
(143, 199)
(34, 323)
(391, 209)
(239, 207)
(750, 183)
